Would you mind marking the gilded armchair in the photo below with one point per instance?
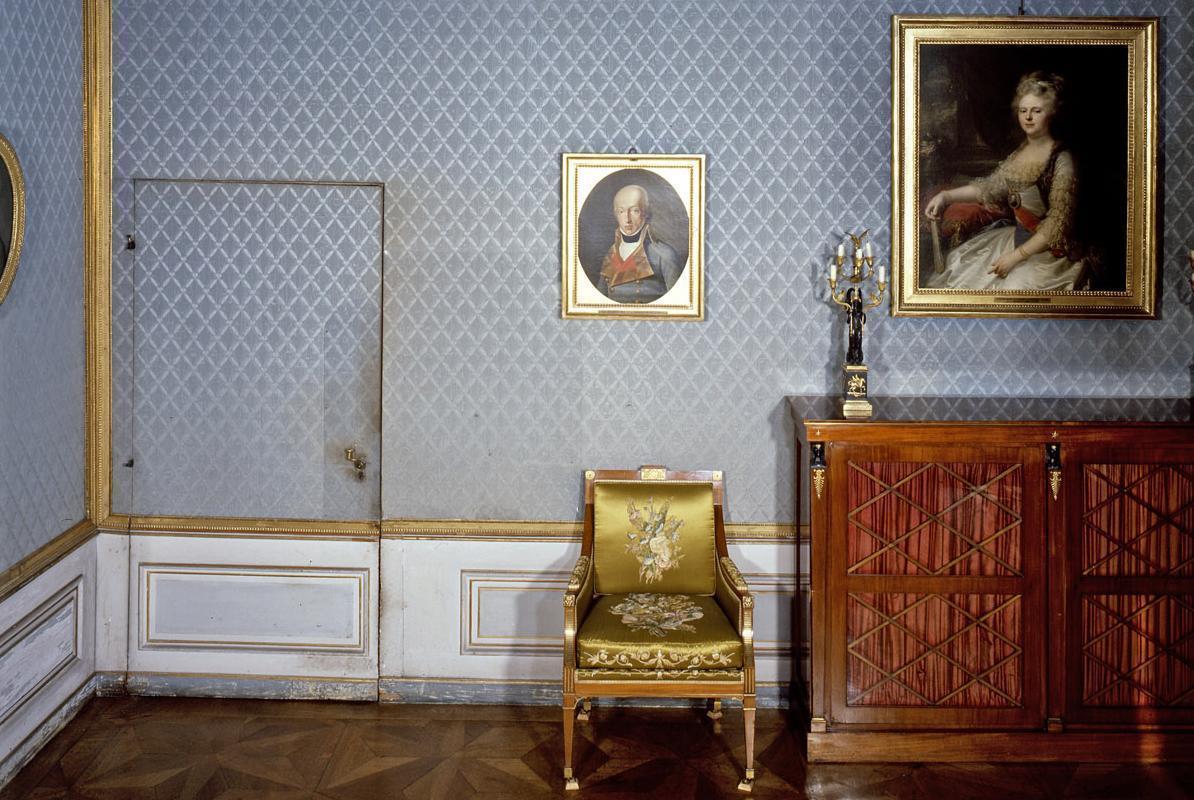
(655, 607)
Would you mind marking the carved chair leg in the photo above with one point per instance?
(570, 782)
(586, 706)
(748, 717)
(715, 711)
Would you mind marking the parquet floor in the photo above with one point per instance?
(135, 748)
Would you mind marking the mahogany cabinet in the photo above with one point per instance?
(971, 575)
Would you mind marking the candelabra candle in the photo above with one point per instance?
(856, 302)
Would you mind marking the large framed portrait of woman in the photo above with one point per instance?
(1024, 166)
(633, 236)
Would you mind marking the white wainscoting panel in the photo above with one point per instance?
(263, 608)
(39, 647)
(112, 603)
(47, 652)
(253, 608)
(493, 610)
(435, 607)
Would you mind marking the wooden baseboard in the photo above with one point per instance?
(394, 689)
(261, 687)
(903, 747)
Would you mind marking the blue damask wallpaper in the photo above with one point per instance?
(41, 321)
(491, 404)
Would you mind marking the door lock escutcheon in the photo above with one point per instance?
(358, 462)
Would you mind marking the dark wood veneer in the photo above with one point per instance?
(951, 591)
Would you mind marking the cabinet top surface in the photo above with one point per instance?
(1167, 410)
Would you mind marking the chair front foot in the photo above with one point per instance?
(747, 783)
(570, 783)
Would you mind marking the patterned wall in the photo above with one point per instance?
(41, 321)
(491, 403)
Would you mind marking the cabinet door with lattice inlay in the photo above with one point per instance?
(1130, 605)
(936, 585)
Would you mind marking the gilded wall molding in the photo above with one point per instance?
(535, 530)
(407, 529)
(468, 529)
(44, 557)
(255, 528)
(97, 256)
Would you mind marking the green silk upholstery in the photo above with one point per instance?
(653, 536)
(662, 632)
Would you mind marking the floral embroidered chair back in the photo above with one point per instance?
(654, 536)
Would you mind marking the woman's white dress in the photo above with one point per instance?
(968, 266)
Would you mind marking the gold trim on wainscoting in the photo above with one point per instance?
(534, 530)
(412, 529)
(255, 528)
(500, 530)
(44, 557)
(97, 257)
(115, 523)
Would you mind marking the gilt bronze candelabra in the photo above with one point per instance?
(855, 404)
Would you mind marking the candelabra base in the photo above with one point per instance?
(855, 404)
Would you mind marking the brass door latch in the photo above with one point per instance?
(358, 463)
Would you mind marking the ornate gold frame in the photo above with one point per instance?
(8, 270)
(97, 257)
(1139, 36)
(579, 298)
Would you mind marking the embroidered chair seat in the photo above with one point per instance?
(659, 632)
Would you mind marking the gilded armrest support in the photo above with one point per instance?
(577, 598)
(734, 597)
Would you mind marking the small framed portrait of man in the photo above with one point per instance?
(1024, 166)
(633, 236)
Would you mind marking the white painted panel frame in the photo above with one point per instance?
(511, 611)
(300, 647)
(204, 606)
(36, 649)
(47, 655)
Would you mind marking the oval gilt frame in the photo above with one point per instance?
(8, 269)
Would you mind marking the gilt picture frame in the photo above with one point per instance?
(1024, 166)
(632, 236)
(12, 214)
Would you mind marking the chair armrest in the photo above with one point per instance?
(577, 598)
(734, 597)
